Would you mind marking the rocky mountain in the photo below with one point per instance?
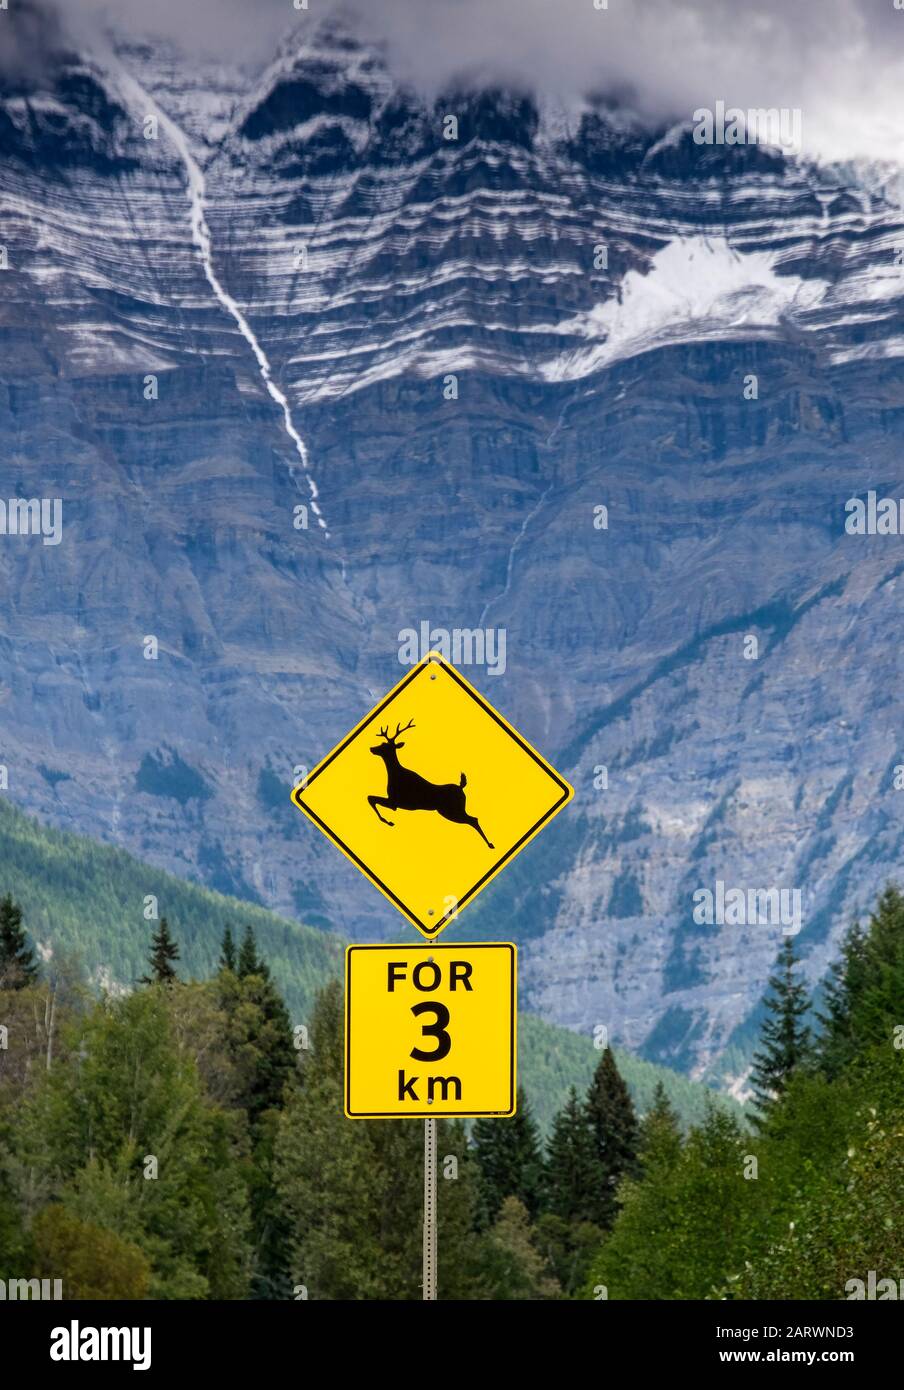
(309, 359)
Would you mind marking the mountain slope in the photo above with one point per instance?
(309, 229)
(87, 900)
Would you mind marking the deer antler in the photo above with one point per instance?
(384, 733)
(400, 730)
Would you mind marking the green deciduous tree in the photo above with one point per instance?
(91, 1262)
(841, 1215)
(685, 1223)
(567, 1248)
(512, 1265)
(123, 1137)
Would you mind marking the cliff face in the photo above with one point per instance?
(228, 291)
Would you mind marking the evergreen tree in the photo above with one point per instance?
(785, 1038)
(260, 1046)
(227, 951)
(573, 1174)
(876, 983)
(843, 988)
(249, 962)
(260, 1037)
(163, 952)
(568, 1247)
(17, 961)
(660, 1133)
(613, 1124)
(354, 1192)
(509, 1160)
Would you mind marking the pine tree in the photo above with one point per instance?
(660, 1131)
(260, 1046)
(876, 983)
(353, 1191)
(785, 1039)
(509, 1161)
(249, 962)
(613, 1124)
(843, 988)
(573, 1174)
(227, 951)
(163, 952)
(17, 962)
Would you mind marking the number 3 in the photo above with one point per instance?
(437, 1030)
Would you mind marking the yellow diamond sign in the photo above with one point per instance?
(432, 794)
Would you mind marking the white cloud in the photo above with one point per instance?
(840, 61)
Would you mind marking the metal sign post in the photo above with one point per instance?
(429, 1283)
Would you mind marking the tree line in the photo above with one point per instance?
(182, 1140)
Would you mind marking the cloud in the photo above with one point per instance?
(29, 40)
(239, 30)
(841, 62)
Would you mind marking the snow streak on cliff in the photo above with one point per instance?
(136, 94)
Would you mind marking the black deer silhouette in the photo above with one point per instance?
(408, 791)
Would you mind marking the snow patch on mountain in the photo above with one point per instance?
(695, 287)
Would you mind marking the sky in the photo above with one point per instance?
(841, 62)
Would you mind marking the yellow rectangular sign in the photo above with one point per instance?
(430, 1030)
(432, 794)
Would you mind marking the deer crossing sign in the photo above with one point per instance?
(430, 1030)
(432, 794)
